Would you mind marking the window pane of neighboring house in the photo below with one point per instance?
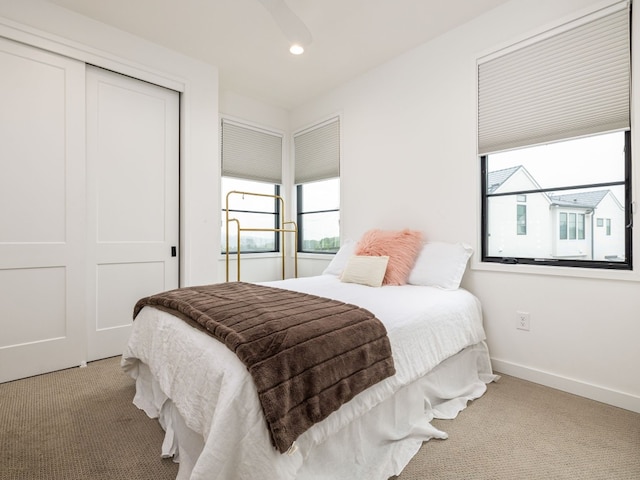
(580, 226)
(319, 216)
(563, 226)
(572, 226)
(252, 211)
(570, 187)
(522, 219)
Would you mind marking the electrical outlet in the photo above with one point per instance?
(523, 321)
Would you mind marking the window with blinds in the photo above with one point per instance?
(251, 161)
(251, 153)
(554, 129)
(317, 179)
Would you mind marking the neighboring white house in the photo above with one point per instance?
(581, 225)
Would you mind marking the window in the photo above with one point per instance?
(252, 163)
(580, 226)
(319, 216)
(572, 226)
(317, 178)
(563, 226)
(250, 211)
(567, 184)
(552, 138)
(522, 219)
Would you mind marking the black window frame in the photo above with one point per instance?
(627, 264)
(276, 224)
(300, 214)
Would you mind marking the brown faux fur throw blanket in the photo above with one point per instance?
(307, 354)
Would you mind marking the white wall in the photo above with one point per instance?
(409, 160)
(53, 28)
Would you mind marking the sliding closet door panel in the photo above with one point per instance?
(132, 171)
(42, 228)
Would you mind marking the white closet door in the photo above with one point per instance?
(132, 183)
(42, 229)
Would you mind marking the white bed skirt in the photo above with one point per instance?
(375, 446)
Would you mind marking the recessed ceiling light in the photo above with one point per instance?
(296, 49)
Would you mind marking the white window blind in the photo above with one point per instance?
(250, 153)
(317, 152)
(570, 83)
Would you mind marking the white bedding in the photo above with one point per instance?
(214, 396)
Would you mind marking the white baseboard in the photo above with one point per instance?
(593, 392)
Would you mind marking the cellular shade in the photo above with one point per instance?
(570, 83)
(317, 152)
(251, 153)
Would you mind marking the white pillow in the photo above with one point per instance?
(441, 264)
(340, 259)
(365, 270)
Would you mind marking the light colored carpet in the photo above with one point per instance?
(521, 430)
(80, 424)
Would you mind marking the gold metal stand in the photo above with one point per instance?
(282, 230)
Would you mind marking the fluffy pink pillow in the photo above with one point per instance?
(402, 248)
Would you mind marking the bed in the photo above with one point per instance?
(208, 405)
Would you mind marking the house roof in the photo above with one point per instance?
(579, 199)
(497, 178)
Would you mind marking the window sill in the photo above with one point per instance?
(575, 272)
(316, 256)
(243, 256)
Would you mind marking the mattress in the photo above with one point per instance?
(213, 418)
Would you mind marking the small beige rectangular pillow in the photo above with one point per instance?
(365, 270)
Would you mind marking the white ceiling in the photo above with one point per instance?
(240, 37)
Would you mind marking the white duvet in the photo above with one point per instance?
(215, 395)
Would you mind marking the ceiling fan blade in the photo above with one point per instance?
(293, 28)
